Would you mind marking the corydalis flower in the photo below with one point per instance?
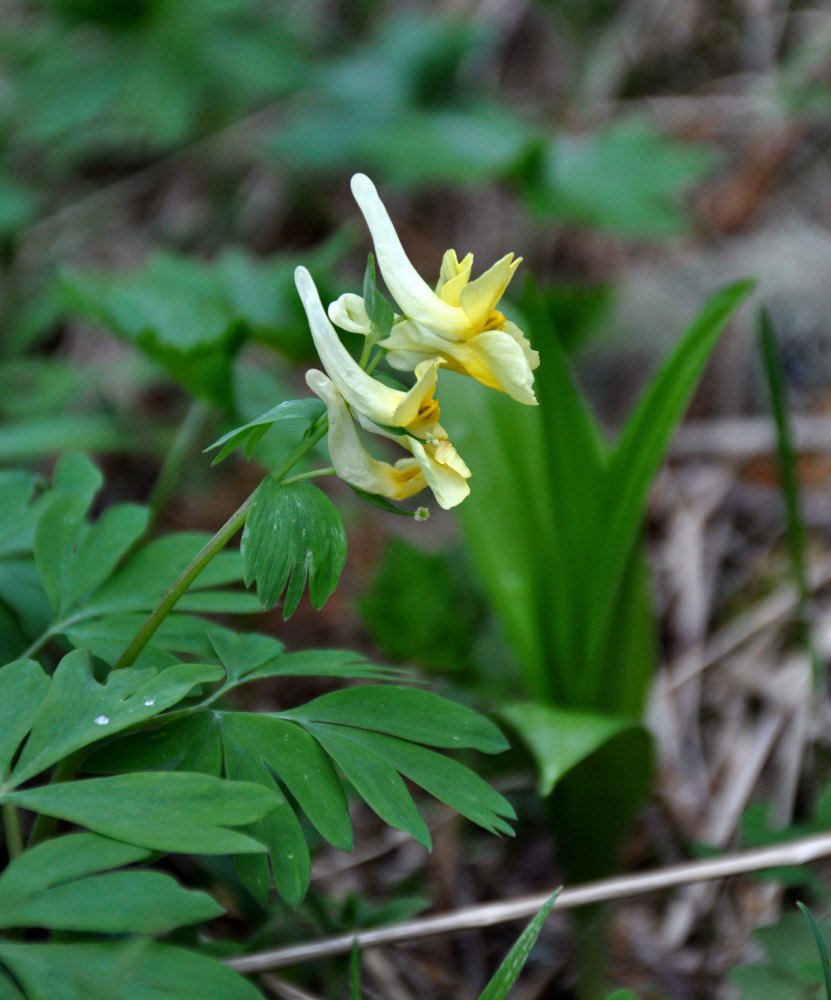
(410, 418)
(457, 322)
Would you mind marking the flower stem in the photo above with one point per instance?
(11, 826)
(174, 462)
(212, 547)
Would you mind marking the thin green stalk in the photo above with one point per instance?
(789, 475)
(11, 827)
(177, 455)
(212, 548)
(312, 474)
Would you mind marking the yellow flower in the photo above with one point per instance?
(410, 418)
(458, 322)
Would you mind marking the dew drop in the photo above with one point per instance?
(149, 700)
(101, 720)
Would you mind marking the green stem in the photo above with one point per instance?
(212, 547)
(11, 826)
(312, 474)
(177, 455)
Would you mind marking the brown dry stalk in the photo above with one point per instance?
(795, 852)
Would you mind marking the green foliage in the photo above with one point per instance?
(292, 531)
(171, 771)
(371, 733)
(421, 607)
(507, 973)
(249, 435)
(192, 317)
(142, 74)
(790, 968)
(566, 573)
(138, 969)
(628, 178)
(821, 948)
(402, 106)
(71, 884)
(61, 575)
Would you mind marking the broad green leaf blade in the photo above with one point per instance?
(108, 637)
(248, 657)
(141, 902)
(309, 409)
(190, 743)
(640, 451)
(23, 686)
(104, 545)
(147, 574)
(57, 885)
(16, 491)
(253, 748)
(164, 811)
(121, 970)
(291, 532)
(443, 778)
(78, 711)
(63, 859)
(630, 656)
(408, 713)
(60, 527)
(297, 760)
(573, 465)
(8, 991)
(512, 492)
(627, 178)
(594, 803)
(378, 784)
(507, 973)
(280, 830)
(25, 439)
(559, 738)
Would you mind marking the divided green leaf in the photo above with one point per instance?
(59, 885)
(292, 532)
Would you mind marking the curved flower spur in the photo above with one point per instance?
(458, 322)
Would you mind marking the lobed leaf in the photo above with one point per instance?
(251, 657)
(120, 970)
(166, 811)
(374, 779)
(291, 532)
(77, 710)
(23, 686)
(58, 885)
(408, 713)
(310, 409)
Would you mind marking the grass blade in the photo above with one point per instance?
(823, 951)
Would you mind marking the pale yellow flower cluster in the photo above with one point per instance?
(457, 326)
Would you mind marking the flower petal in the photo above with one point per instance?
(362, 392)
(349, 313)
(479, 298)
(413, 295)
(352, 463)
(453, 277)
(444, 470)
(501, 359)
